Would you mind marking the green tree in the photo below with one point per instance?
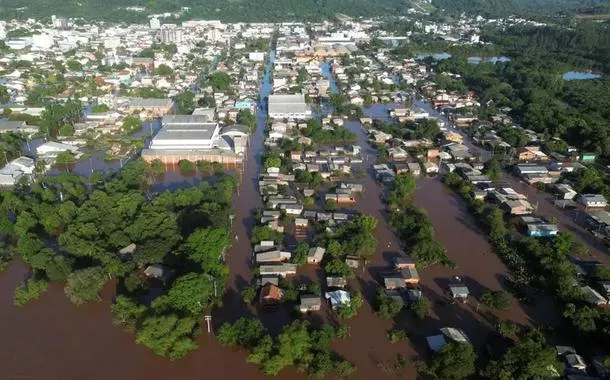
(131, 124)
(300, 253)
(66, 130)
(190, 293)
(244, 332)
(330, 205)
(84, 285)
(163, 70)
(421, 308)
(99, 108)
(350, 309)
(387, 308)
(73, 65)
(168, 335)
(273, 162)
(206, 246)
(127, 313)
(455, 361)
(29, 290)
(582, 317)
(245, 117)
(492, 168)
(495, 300)
(220, 81)
(530, 358)
(185, 102)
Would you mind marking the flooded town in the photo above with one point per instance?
(354, 198)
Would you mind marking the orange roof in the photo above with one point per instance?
(271, 292)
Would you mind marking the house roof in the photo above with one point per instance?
(338, 297)
(271, 292)
(309, 300)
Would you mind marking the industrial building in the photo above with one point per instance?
(288, 107)
(195, 138)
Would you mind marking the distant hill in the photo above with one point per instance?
(278, 10)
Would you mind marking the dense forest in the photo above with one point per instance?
(531, 84)
(276, 10)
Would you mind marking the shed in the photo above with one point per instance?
(336, 282)
(310, 302)
(352, 261)
(315, 255)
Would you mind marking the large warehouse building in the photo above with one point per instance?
(288, 107)
(194, 138)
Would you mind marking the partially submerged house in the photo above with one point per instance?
(338, 298)
(310, 302)
(315, 255)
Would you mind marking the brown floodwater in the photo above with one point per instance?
(52, 339)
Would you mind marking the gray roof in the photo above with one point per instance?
(203, 131)
(338, 282)
(150, 102)
(309, 300)
(287, 104)
(7, 125)
(184, 119)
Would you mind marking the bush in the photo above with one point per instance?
(495, 300)
(421, 308)
(186, 166)
(397, 336)
(248, 295)
(29, 290)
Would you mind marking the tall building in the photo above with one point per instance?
(170, 35)
(155, 23)
(2, 30)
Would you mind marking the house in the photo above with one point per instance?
(542, 230)
(430, 167)
(158, 272)
(588, 157)
(52, 149)
(524, 169)
(401, 262)
(447, 334)
(394, 282)
(414, 169)
(272, 256)
(531, 153)
(336, 282)
(458, 289)
(593, 297)
(315, 255)
(352, 261)
(288, 107)
(281, 270)
(338, 298)
(592, 200)
(128, 250)
(12, 172)
(410, 275)
(264, 280)
(310, 302)
(270, 296)
(565, 191)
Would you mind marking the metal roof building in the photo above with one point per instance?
(288, 107)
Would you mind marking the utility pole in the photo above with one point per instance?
(208, 319)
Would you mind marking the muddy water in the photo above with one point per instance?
(466, 245)
(52, 339)
(476, 263)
